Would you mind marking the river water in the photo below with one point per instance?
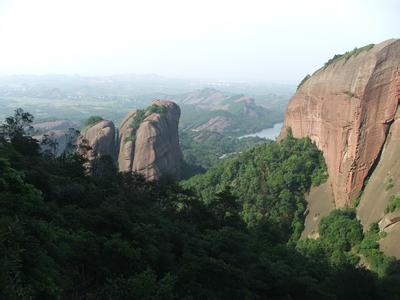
(268, 133)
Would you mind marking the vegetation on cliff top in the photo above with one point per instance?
(158, 109)
(348, 54)
(303, 80)
(141, 114)
(139, 117)
(91, 121)
(336, 58)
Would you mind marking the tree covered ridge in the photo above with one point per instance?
(270, 181)
(68, 235)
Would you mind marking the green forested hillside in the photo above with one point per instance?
(68, 235)
(269, 181)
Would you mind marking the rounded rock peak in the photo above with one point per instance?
(167, 103)
(163, 102)
(102, 124)
(171, 106)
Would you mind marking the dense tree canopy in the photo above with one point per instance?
(269, 181)
(65, 234)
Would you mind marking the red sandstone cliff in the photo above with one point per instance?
(347, 108)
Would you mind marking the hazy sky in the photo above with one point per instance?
(278, 40)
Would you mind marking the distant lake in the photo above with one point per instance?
(268, 133)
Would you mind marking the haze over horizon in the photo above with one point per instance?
(221, 40)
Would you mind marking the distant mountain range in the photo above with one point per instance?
(132, 85)
(233, 108)
(212, 110)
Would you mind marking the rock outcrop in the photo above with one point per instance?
(54, 142)
(389, 220)
(347, 109)
(390, 224)
(100, 137)
(149, 141)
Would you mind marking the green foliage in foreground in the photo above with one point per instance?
(342, 242)
(269, 181)
(375, 258)
(340, 230)
(68, 235)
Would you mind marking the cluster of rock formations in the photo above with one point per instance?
(146, 142)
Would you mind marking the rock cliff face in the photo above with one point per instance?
(149, 141)
(101, 139)
(347, 109)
